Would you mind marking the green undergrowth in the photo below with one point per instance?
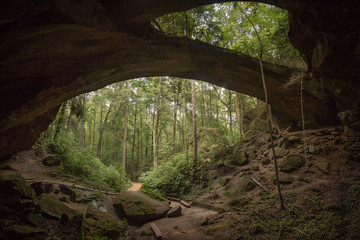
(81, 167)
(176, 176)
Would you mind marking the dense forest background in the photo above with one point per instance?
(135, 126)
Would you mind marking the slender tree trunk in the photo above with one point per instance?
(82, 129)
(230, 113)
(60, 120)
(94, 126)
(69, 123)
(133, 147)
(174, 121)
(102, 128)
(238, 114)
(156, 128)
(210, 110)
(194, 123)
(125, 128)
(187, 145)
(203, 110)
(141, 141)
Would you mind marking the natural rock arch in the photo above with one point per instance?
(55, 50)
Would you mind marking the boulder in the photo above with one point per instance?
(139, 208)
(51, 161)
(239, 158)
(314, 149)
(20, 231)
(69, 191)
(294, 139)
(326, 148)
(54, 208)
(279, 152)
(283, 179)
(290, 163)
(101, 224)
(41, 188)
(239, 186)
(174, 211)
(14, 186)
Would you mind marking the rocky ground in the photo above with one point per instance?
(318, 192)
(321, 192)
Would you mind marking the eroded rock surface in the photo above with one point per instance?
(139, 208)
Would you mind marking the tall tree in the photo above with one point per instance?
(194, 123)
(156, 127)
(82, 127)
(239, 114)
(102, 128)
(127, 103)
(60, 120)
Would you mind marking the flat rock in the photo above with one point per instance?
(69, 191)
(279, 152)
(139, 208)
(290, 163)
(103, 222)
(54, 207)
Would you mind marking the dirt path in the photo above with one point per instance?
(135, 187)
(186, 226)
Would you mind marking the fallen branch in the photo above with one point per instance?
(156, 231)
(298, 230)
(259, 184)
(174, 199)
(185, 203)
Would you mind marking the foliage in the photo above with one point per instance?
(176, 175)
(153, 193)
(82, 164)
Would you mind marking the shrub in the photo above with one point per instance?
(176, 175)
(82, 164)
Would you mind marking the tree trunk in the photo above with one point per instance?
(69, 123)
(230, 113)
(210, 110)
(102, 128)
(156, 127)
(60, 120)
(203, 110)
(187, 145)
(125, 128)
(141, 142)
(82, 129)
(194, 123)
(133, 147)
(174, 121)
(238, 114)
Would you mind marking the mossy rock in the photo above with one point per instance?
(102, 224)
(240, 158)
(22, 232)
(259, 125)
(283, 179)
(51, 161)
(239, 187)
(291, 163)
(54, 207)
(14, 187)
(139, 208)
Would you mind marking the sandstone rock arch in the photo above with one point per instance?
(51, 51)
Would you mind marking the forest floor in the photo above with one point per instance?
(317, 200)
(30, 166)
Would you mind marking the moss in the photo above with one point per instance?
(54, 207)
(213, 229)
